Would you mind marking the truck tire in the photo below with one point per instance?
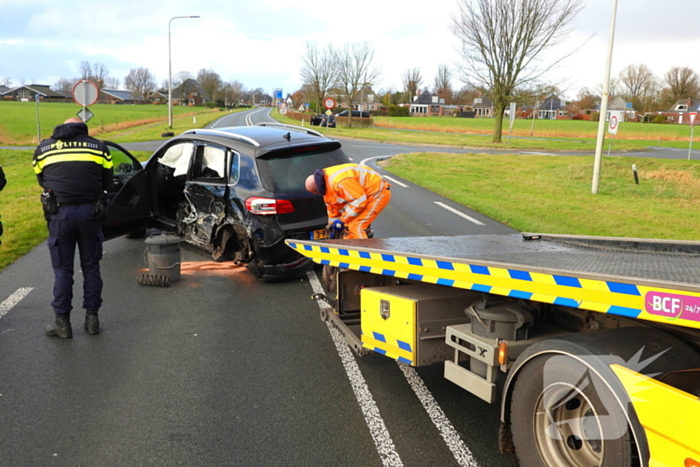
(562, 414)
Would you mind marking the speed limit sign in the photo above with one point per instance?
(329, 103)
(614, 122)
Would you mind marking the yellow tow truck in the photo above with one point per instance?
(590, 344)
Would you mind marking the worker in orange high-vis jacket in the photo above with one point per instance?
(354, 196)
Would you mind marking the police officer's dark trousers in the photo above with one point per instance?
(71, 226)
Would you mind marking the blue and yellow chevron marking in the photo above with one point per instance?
(589, 294)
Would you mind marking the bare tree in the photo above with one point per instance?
(412, 82)
(639, 85)
(443, 86)
(210, 81)
(501, 39)
(355, 71)
(682, 83)
(112, 83)
(97, 73)
(141, 82)
(85, 70)
(319, 71)
(614, 88)
(6, 82)
(63, 85)
(232, 93)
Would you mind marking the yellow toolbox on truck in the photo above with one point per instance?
(591, 344)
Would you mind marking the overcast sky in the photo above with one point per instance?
(260, 43)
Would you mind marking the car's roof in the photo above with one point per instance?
(259, 139)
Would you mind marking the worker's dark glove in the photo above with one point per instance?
(99, 209)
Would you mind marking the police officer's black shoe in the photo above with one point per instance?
(61, 328)
(92, 324)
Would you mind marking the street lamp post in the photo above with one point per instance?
(170, 73)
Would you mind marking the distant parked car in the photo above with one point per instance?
(323, 120)
(355, 113)
(235, 192)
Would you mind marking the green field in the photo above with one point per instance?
(528, 193)
(553, 194)
(562, 135)
(18, 120)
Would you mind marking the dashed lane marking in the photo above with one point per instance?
(14, 299)
(396, 182)
(459, 213)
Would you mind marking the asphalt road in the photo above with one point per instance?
(223, 370)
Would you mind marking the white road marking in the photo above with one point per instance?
(375, 423)
(364, 161)
(14, 299)
(462, 454)
(392, 180)
(395, 181)
(459, 213)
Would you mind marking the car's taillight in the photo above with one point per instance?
(268, 206)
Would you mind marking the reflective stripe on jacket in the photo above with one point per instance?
(350, 187)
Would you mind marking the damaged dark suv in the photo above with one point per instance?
(236, 192)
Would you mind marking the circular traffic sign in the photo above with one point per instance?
(613, 122)
(329, 103)
(85, 92)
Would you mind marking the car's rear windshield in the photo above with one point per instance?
(286, 172)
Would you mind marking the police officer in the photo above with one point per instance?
(75, 171)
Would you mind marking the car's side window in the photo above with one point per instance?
(123, 164)
(235, 168)
(178, 157)
(210, 164)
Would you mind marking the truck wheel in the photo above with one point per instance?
(564, 414)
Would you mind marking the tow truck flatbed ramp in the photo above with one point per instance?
(655, 280)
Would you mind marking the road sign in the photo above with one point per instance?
(614, 122)
(692, 116)
(85, 114)
(278, 93)
(329, 102)
(85, 92)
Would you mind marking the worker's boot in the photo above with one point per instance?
(92, 324)
(61, 327)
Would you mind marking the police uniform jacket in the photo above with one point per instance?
(75, 166)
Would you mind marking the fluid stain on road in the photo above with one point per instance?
(212, 268)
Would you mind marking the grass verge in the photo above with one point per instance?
(553, 194)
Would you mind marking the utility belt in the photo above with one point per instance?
(51, 205)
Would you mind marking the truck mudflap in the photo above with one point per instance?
(647, 279)
(669, 417)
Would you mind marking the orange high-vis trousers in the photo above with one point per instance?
(357, 227)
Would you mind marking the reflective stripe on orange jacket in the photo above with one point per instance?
(350, 187)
